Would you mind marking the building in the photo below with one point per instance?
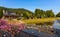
(9, 14)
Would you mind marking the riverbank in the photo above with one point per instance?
(35, 21)
(42, 20)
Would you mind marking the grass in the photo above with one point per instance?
(34, 21)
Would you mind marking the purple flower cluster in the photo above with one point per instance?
(10, 28)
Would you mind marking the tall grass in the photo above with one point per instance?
(42, 20)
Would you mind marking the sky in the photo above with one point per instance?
(32, 4)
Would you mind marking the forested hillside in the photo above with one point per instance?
(38, 13)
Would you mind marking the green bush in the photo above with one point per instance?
(1, 14)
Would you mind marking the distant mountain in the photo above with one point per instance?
(18, 10)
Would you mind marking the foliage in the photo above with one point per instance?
(39, 13)
(58, 15)
(1, 13)
(43, 14)
(49, 13)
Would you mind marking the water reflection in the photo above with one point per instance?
(56, 24)
(56, 27)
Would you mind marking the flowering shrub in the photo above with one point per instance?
(11, 26)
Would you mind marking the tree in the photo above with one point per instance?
(49, 13)
(58, 15)
(27, 15)
(39, 13)
(1, 12)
